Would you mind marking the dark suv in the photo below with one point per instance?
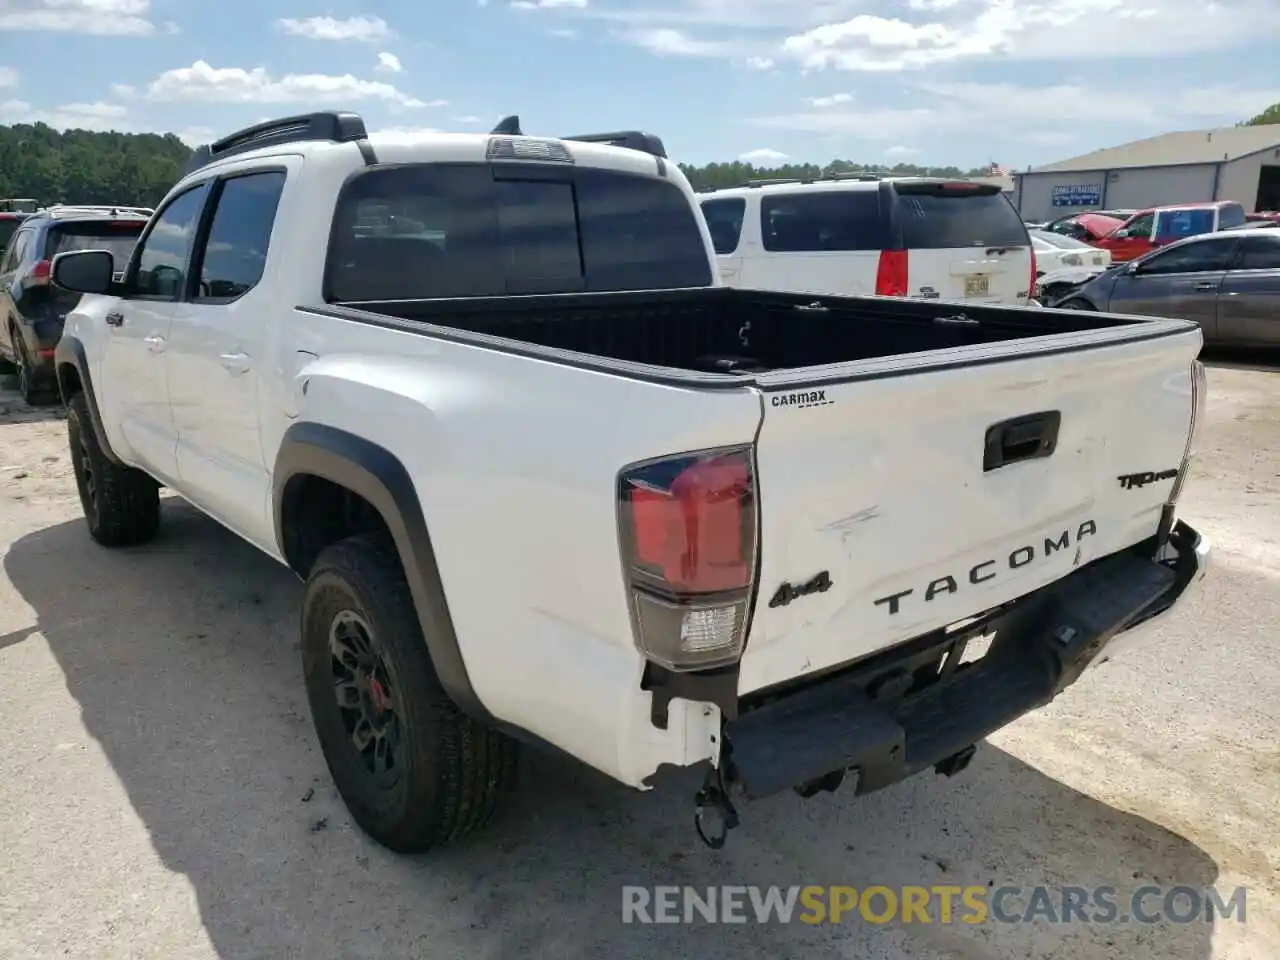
(31, 307)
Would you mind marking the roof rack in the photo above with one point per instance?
(630, 139)
(61, 209)
(333, 126)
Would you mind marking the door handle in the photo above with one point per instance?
(115, 318)
(1206, 286)
(1022, 438)
(154, 344)
(235, 363)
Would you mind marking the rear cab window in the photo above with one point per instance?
(935, 216)
(427, 231)
(1176, 224)
(823, 220)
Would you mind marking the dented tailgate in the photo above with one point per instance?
(904, 494)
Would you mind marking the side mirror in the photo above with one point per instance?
(1121, 234)
(84, 271)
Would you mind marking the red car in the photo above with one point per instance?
(1088, 227)
(1152, 228)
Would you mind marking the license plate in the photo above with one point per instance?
(977, 286)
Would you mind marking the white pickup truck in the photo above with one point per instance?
(546, 481)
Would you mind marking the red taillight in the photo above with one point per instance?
(891, 274)
(1035, 270)
(688, 534)
(39, 275)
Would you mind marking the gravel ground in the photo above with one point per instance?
(165, 797)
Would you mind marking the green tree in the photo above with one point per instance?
(82, 166)
(719, 175)
(1269, 115)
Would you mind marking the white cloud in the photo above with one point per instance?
(389, 63)
(564, 33)
(761, 63)
(900, 152)
(549, 4)
(669, 42)
(106, 18)
(205, 83)
(966, 30)
(70, 116)
(8, 77)
(469, 119)
(764, 157)
(833, 100)
(124, 90)
(361, 29)
(1021, 111)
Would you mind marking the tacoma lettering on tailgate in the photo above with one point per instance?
(988, 569)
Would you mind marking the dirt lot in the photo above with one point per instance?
(164, 796)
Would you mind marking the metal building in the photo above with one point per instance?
(1232, 163)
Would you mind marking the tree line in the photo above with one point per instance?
(82, 166)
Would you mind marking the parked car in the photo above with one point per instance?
(898, 237)
(1150, 229)
(548, 480)
(1256, 225)
(9, 224)
(1227, 282)
(1267, 216)
(1064, 263)
(1086, 227)
(33, 309)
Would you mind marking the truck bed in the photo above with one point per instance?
(734, 331)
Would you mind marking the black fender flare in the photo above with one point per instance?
(375, 474)
(69, 354)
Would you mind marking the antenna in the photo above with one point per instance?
(509, 126)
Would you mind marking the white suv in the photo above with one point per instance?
(909, 237)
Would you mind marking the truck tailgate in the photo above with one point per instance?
(893, 502)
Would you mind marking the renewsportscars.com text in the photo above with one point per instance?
(941, 904)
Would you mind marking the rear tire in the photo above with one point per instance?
(28, 386)
(121, 504)
(414, 771)
(1075, 303)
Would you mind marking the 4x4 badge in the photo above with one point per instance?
(786, 593)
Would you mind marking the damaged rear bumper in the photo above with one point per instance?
(1041, 645)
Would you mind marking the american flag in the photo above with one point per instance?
(999, 171)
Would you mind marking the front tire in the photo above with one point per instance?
(414, 771)
(121, 504)
(1075, 303)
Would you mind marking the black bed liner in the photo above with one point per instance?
(731, 330)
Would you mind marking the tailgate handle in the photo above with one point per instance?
(1028, 437)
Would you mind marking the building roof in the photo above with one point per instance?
(1186, 146)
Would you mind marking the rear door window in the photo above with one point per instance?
(454, 230)
(724, 221)
(822, 220)
(934, 217)
(116, 237)
(1258, 253)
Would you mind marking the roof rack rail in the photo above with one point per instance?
(631, 139)
(330, 125)
(70, 209)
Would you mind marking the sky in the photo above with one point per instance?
(963, 82)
